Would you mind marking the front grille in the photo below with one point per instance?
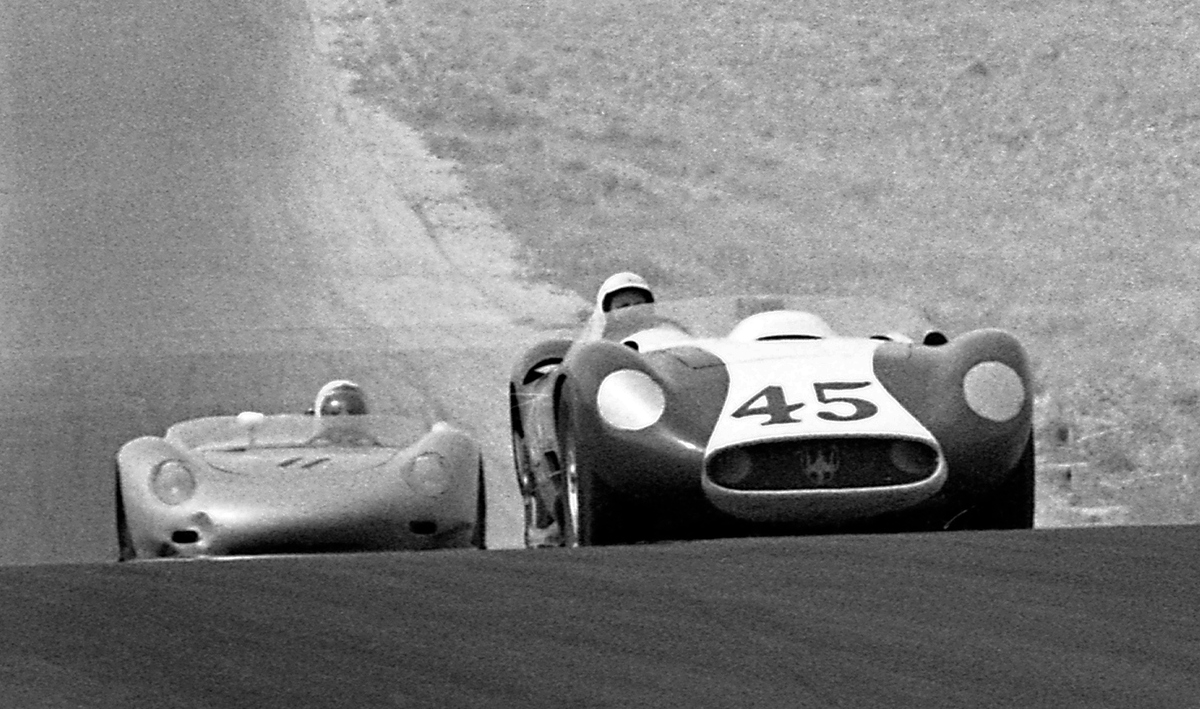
(823, 464)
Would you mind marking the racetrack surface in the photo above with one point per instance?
(193, 220)
(1101, 617)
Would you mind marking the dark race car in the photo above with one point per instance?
(337, 479)
(770, 415)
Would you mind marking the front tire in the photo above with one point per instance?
(1011, 506)
(479, 534)
(590, 511)
(125, 549)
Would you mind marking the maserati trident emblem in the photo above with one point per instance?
(821, 463)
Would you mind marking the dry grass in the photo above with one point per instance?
(1034, 166)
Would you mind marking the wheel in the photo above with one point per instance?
(572, 529)
(1011, 506)
(125, 550)
(590, 511)
(525, 485)
(479, 535)
(537, 519)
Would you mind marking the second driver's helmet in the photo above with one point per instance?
(340, 398)
(625, 281)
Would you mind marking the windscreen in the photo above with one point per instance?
(716, 316)
(297, 430)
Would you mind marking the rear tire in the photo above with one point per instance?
(525, 486)
(590, 512)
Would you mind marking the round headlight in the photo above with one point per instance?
(630, 400)
(428, 474)
(994, 391)
(173, 483)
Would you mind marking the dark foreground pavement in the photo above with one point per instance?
(1065, 618)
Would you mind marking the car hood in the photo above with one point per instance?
(820, 388)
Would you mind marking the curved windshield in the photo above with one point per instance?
(718, 316)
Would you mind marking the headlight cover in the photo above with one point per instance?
(172, 483)
(428, 474)
(914, 459)
(730, 468)
(630, 400)
(994, 391)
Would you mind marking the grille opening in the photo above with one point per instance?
(423, 527)
(830, 464)
(185, 536)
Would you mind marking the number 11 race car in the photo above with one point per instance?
(752, 415)
(336, 479)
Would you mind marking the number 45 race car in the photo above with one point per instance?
(752, 415)
(338, 479)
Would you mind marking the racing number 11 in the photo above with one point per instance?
(776, 407)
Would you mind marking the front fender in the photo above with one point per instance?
(665, 458)
(142, 511)
(929, 381)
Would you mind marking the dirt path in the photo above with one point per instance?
(417, 257)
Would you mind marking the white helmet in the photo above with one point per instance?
(781, 325)
(340, 397)
(626, 280)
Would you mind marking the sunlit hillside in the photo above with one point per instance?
(1033, 166)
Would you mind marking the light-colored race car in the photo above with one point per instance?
(754, 415)
(335, 479)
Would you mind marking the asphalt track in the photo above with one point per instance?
(1101, 617)
(187, 228)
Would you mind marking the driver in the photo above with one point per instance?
(622, 290)
(619, 291)
(340, 397)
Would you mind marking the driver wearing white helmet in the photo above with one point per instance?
(623, 290)
(619, 291)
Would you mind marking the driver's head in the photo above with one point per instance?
(623, 290)
(340, 398)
